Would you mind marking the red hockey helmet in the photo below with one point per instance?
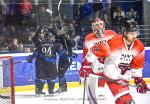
(98, 27)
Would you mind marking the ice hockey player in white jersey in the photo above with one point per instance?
(98, 36)
(124, 60)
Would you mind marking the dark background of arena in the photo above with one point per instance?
(19, 19)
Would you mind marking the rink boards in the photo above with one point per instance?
(25, 72)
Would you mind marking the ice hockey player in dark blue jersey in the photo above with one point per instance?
(45, 53)
(65, 61)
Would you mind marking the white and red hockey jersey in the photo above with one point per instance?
(124, 62)
(90, 41)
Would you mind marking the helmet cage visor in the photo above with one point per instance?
(98, 28)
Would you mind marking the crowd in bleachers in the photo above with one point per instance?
(112, 14)
(19, 21)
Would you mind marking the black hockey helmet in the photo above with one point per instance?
(130, 26)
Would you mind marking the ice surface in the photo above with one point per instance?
(72, 96)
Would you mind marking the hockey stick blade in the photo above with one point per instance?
(130, 85)
(17, 62)
(59, 4)
(136, 86)
(61, 23)
(4, 97)
(49, 11)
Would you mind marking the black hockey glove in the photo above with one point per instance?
(29, 58)
(74, 55)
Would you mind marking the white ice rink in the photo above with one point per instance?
(73, 96)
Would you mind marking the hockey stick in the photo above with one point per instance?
(51, 14)
(61, 23)
(84, 89)
(4, 97)
(85, 79)
(49, 11)
(84, 85)
(125, 84)
(59, 13)
(17, 62)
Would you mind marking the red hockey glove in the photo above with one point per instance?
(85, 69)
(142, 86)
(101, 60)
(74, 55)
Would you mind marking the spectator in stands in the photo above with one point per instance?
(73, 35)
(43, 16)
(118, 17)
(27, 49)
(76, 39)
(71, 30)
(107, 14)
(119, 14)
(106, 20)
(132, 14)
(15, 46)
(13, 13)
(97, 8)
(79, 7)
(31, 35)
(25, 7)
(2, 43)
(84, 11)
(31, 44)
(11, 31)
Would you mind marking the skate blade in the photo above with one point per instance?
(40, 95)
